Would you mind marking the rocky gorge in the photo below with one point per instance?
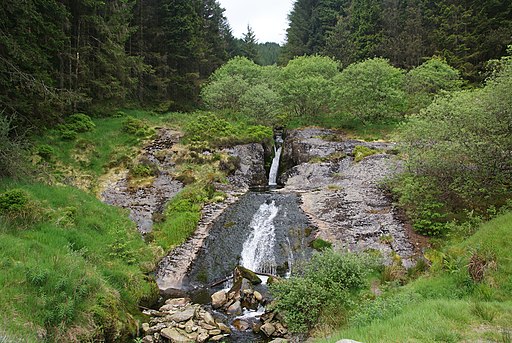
(337, 199)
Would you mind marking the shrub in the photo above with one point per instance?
(137, 127)
(13, 200)
(46, 152)
(329, 280)
(371, 90)
(320, 245)
(12, 150)
(80, 122)
(307, 85)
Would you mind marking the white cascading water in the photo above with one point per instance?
(272, 176)
(258, 249)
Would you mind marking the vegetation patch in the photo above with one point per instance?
(361, 151)
(86, 267)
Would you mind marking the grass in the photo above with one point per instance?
(446, 305)
(76, 273)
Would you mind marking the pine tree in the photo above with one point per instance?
(249, 44)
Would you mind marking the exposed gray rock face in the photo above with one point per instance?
(252, 165)
(343, 198)
(143, 202)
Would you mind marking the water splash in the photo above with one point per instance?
(258, 250)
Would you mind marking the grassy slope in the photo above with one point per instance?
(77, 261)
(447, 306)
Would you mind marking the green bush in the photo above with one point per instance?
(13, 160)
(80, 122)
(46, 152)
(320, 245)
(329, 280)
(13, 200)
(462, 144)
(371, 90)
(137, 127)
(307, 85)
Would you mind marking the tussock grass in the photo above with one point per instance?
(447, 305)
(82, 265)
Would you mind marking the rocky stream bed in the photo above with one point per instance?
(337, 199)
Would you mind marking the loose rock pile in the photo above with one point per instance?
(180, 321)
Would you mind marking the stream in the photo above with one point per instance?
(323, 193)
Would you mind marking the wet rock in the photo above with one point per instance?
(256, 327)
(224, 328)
(251, 169)
(184, 315)
(258, 296)
(247, 274)
(241, 325)
(208, 319)
(175, 336)
(219, 299)
(177, 301)
(235, 309)
(268, 329)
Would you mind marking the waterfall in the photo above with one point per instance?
(272, 176)
(258, 249)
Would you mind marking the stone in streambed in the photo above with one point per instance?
(208, 319)
(235, 309)
(180, 302)
(184, 315)
(224, 328)
(148, 339)
(175, 336)
(241, 325)
(268, 329)
(279, 340)
(219, 299)
(249, 275)
(258, 296)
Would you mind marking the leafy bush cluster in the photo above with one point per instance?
(313, 86)
(76, 123)
(459, 153)
(329, 283)
(12, 150)
(137, 127)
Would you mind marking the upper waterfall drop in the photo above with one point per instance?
(258, 250)
(278, 147)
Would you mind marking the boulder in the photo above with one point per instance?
(217, 338)
(235, 309)
(249, 275)
(214, 332)
(208, 319)
(347, 341)
(224, 328)
(145, 327)
(219, 299)
(148, 339)
(258, 296)
(280, 330)
(241, 325)
(203, 336)
(268, 329)
(180, 302)
(174, 335)
(184, 315)
(279, 340)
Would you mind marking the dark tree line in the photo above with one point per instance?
(465, 32)
(60, 56)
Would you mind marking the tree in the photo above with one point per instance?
(462, 142)
(307, 85)
(249, 44)
(371, 90)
